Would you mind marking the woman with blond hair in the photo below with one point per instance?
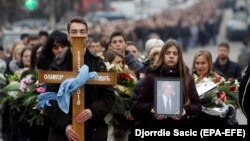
(202, 69)
(202, 64)
(14, 64)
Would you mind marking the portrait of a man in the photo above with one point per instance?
(168, 99)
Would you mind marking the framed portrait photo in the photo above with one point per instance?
(168, 96)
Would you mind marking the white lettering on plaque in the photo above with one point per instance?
(103, 78)
(53, 76)
(78, 97)
(78, 60)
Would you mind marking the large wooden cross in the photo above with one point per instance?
(104, 78)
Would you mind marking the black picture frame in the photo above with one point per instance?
(162, 96)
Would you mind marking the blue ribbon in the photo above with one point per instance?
(65, 91)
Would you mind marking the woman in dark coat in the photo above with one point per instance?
(56, 40)
(34, 132)
(171, 65)
(56, 44)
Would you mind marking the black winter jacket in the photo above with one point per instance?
(244, 93)
(99, 99)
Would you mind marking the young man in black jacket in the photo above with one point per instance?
(118, 42)
(224, 66)
(98, 99)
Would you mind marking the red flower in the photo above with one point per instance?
(232, 88)
(217, 79)
(125, 76)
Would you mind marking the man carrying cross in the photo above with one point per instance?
(98, 99)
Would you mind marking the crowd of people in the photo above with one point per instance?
(162, 60)
(197, 25)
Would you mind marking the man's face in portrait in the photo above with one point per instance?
(167, 89)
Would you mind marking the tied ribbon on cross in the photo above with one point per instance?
(65, 90)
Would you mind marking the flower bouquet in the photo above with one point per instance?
(22, 94)
(217, 94)
(126, 82)
(123, 89)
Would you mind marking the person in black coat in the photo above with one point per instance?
(118, 42)
(171, 65)
(223, 65)
(98, 99)
(34, 132)
(55, 45)
(244, 91)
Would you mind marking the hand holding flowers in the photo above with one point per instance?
(126, 82)
(23, 94)
(224, 93)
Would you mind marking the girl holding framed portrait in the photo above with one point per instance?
(170, 67)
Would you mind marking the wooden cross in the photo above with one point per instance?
(104, 78)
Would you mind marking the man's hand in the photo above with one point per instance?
(84, 116)
(71, 134)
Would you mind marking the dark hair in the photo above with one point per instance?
(56, 37)
(118, 33)
(107, 46)
(1, 48)
(224, 44)
(34, 37)
(95, 40)
(111, 54)
(25, 35)
(77, 20)
(90, 40)
(131, 43)
(43, 33)
(33, 58)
